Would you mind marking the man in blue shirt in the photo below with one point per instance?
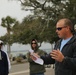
(64, 53)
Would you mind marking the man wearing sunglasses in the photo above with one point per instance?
(64, 53)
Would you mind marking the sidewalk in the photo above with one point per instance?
(23, 69)
(49, 71)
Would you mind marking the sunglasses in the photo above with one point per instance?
(33, 43)
(60, 28)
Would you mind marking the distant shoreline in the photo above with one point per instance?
(24, 52)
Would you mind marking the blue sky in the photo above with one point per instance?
(13, 9)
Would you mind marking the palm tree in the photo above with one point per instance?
(8, 23)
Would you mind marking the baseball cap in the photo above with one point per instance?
(1, 42)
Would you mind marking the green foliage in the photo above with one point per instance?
(8, 23)
(19, 59)
(41, 25)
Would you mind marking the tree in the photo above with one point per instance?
(46, 14)
(32, 27)
(8, 23)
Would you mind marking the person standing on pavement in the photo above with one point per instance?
(9, 64)
(4, 68)
(64, 53)
(35, 69)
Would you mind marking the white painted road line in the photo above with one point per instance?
(16, 73)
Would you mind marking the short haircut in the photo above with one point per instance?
(67, 22)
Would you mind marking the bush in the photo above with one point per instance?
(13, 58)
(19, 59)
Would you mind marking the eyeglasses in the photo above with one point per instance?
(60, 28)
(33, 43)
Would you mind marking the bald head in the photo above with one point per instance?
(66, 22)
(64, 28)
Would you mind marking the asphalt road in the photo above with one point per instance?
(23, 69)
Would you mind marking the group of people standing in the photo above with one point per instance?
(63, 55)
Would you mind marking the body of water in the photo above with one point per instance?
(17, 49)
(24, 52)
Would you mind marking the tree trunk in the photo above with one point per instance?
(8, 50)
